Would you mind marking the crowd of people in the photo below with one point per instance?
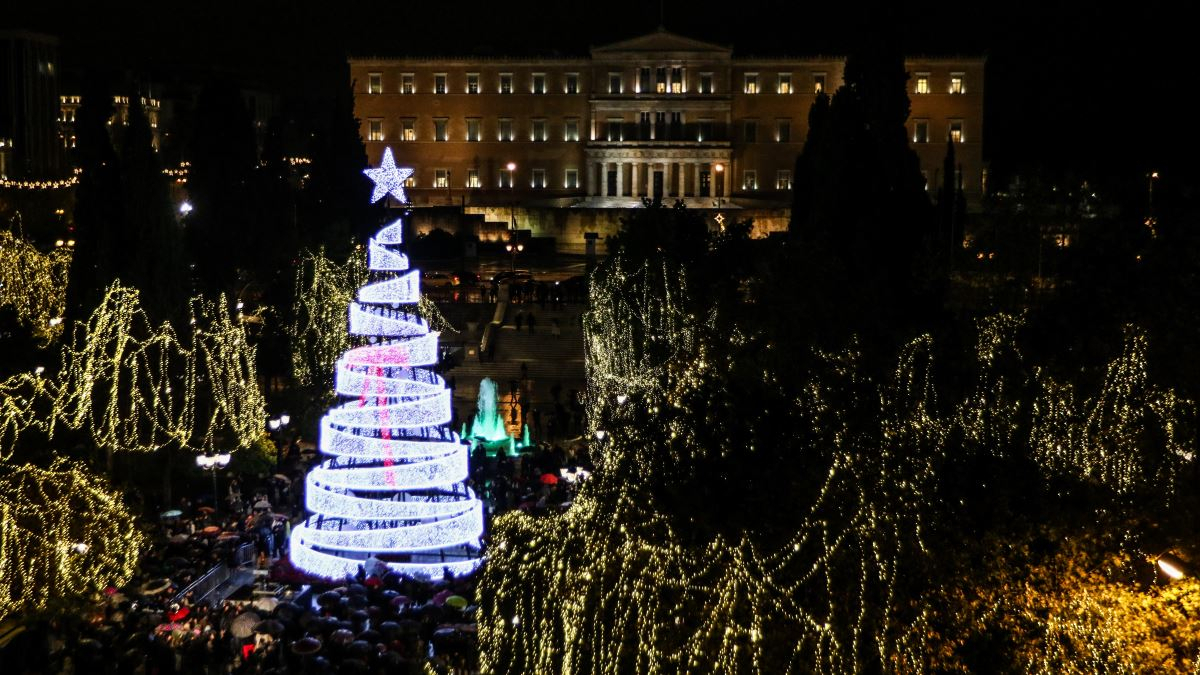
(375, 622)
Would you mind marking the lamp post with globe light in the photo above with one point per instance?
(212, 463)
(512, 196)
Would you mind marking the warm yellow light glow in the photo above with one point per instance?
(1169, 569)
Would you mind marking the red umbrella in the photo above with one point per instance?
(549, 479)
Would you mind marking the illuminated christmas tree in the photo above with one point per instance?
(392, 486)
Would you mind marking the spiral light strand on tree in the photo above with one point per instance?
(393, 486)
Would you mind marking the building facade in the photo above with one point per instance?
(657, 115)
(29, 148)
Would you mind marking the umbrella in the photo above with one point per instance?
(329, 599)
(439, 598)
(400, 600)
(173, 513)
(155, 586)
(287, 610)
(306, 645)
(370, 635)
(210, 530)
(269, 627)
(356, 601)
(179, 614)
(243, 625)
(375, 567)
(549, 479)
(206, 509)
(262, 504)
(359, 648)
(456, 601)
(178, 538)
(281, 477)
(342, 637)
(90, 643)
(356, 589)
(266, 604)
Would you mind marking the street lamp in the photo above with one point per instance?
(514, 249)
(211, 463)
(1171, 566)
(719, 189)
(1151, 221)
(276, 425)
(185, 208)
(512, 196)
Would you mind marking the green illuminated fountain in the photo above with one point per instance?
(488, 428)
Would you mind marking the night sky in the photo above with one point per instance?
(1069, 84)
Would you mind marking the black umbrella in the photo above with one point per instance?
(329, 599)
(269, 627)
(306, 645)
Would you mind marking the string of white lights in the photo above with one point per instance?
(394, 486)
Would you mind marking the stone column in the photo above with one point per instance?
(588, 183)
(727, 178)
(634, 187)
(620, 179)
(682, 180)
(695, 179)
(602, 184)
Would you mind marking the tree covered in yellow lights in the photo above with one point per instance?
(34, 284)
(133, 386)
(64, 536)
(765, 506)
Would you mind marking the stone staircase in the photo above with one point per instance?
(547, 359)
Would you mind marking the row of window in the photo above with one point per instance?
(954, 131)
(538, 130)
(538, 179)
(538, 83)
(615, 129)
(661, 80)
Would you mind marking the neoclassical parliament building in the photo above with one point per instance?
(657, 115)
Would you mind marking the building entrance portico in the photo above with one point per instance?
(630, 174)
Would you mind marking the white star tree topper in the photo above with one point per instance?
(389, 178)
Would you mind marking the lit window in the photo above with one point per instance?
(539, 179)
(539, 83)
(572, 181)
(956, 131)
(783, 179)
(751, 84)
(920, 131)
(749, 180)
(660, 80)
(408, 130)
(472, 83)
(374, 130)
(571, 130)
(441, 178)
(407, 85)
(785, 84)
(613, 129)
(922, 83)
(783, 131)
(750, 131)
(538, 132)
(439, 83)
(505, 83)
(473, 129)
(706, 83)
(614, 83)
(956, 83)
(818, 83)
(439, 129)
(375, 83)
(473, 178)
(506, 129)
(572, 83)
(677, 80)
(506, 178)
(411, 182)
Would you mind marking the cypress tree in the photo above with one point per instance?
(99, 240)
